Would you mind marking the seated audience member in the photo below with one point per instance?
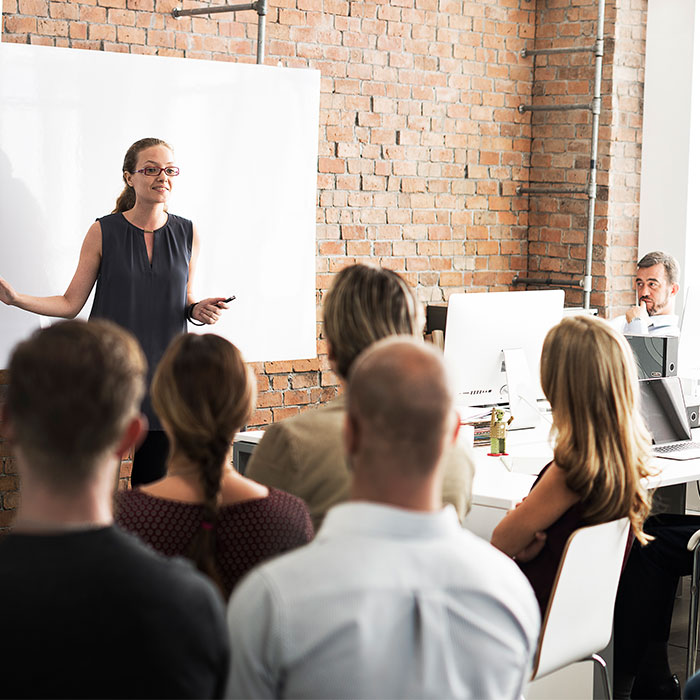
(644, 609)
(88, 610)
(203, 508)
(304, 454)
(656, 284)
(392, 599)
(601, 450)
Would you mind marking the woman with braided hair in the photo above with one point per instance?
(203, 393)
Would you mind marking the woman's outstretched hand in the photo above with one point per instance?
(7, 293)
(209, 310)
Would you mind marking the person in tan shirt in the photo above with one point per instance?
(304, 455)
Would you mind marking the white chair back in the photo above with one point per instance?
(579, 617)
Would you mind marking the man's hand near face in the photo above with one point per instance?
(639, 311)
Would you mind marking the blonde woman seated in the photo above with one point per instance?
(601, 450)
(203, 393)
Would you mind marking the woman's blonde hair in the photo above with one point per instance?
(364, 304)
(203, 393)
(589, 376)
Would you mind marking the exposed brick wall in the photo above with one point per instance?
(561, 148)
(625, 152)
(561, 142)
(420, 141)
(421, 144)
(285, 388)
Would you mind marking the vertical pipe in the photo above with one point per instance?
(262, 11)
(592, 182)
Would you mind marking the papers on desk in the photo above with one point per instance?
(479, 419)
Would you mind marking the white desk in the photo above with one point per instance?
(497, 490)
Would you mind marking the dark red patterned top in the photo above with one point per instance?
(247, 533)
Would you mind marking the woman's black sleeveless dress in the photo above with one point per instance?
(148, 299)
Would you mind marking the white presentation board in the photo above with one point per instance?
(245, 139)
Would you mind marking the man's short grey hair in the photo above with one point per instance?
(670, 264)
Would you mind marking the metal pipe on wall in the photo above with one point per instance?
(260, 7)
(546, 281)
(593, 179)
(543, 52)
(550, 190)
(592, 191)
(179, 12)
(551, 108)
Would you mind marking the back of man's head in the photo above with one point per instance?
(399, 397)
(73, 388)
(365, 304)
(658, 257)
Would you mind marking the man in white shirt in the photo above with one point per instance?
(393, 599)
(657, 285)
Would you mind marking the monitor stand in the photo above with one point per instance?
(521, 390)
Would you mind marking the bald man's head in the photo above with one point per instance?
(399, 397)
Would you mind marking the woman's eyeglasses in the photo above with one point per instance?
(153, 171)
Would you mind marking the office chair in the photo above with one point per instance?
(690, 663)
(579, 617)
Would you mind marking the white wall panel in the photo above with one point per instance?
(245, 138)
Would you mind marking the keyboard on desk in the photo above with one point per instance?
(676, 447)
(678, 450)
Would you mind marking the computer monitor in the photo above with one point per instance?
(482, 325)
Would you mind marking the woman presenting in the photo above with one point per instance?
(143, 259)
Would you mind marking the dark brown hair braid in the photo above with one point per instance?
(203, 392)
